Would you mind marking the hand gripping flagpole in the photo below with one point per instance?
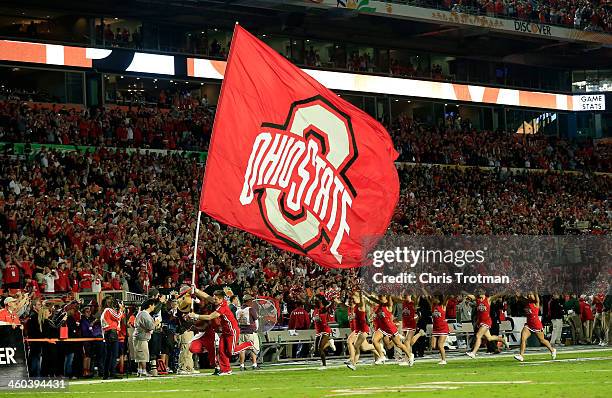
(195, 257)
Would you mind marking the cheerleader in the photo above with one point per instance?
(386, 328)
(357, 340)
(320, 317)
(409, 320)
(440, 326)
(484, 322)
(533, 325)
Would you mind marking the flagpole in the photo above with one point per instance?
(195, 256)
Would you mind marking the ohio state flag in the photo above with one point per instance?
(293, 163)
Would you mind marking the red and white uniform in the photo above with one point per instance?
(483, 313)
(533, 321)
(586, 313)
(205, 341)
(228, 340)
(361, 321)
(408, 316)
(385, 321)
(440, 326)
(351, 318)
(320, 319)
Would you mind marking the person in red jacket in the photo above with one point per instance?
(10, 274)
(204, 340)
(587, 318)
(9, 315)
(62, 284)
(228, 339)
(299, 319)
(110, 320)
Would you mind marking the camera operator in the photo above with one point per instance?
(155, 344)
(110, 317)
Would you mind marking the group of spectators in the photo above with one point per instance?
(592, 15)
(112, 220)
(460, 143)
(121, 37)
(186, 127)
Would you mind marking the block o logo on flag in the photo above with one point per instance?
(298, 172)
(294, 164)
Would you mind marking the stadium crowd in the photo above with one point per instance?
(109, 220)
(186, 126)
(455, 142)
(592, 15)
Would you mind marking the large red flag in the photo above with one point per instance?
(293, 163)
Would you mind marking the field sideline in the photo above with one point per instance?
(585, 373)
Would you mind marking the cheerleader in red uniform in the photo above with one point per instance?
(409, 320)
(484, 323)
(320, 317)
(357, 340)
(386, 328)
(533, 325)
(440, 326)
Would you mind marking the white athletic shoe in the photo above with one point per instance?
(183, 372)
(519, 357)
(242, 367)
(195, 372)
(553, 354)
(471, 354)
(403, 363)
(346, 362)
(442, 363)
(228, 373)
(351, 366)
(411, 360)
(254, 366)
(380, 361)
(332, 344)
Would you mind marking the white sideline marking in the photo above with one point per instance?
(104, 392)
(568, 360)
(477, 382)
(388, 390)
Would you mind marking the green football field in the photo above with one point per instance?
(584, 374)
